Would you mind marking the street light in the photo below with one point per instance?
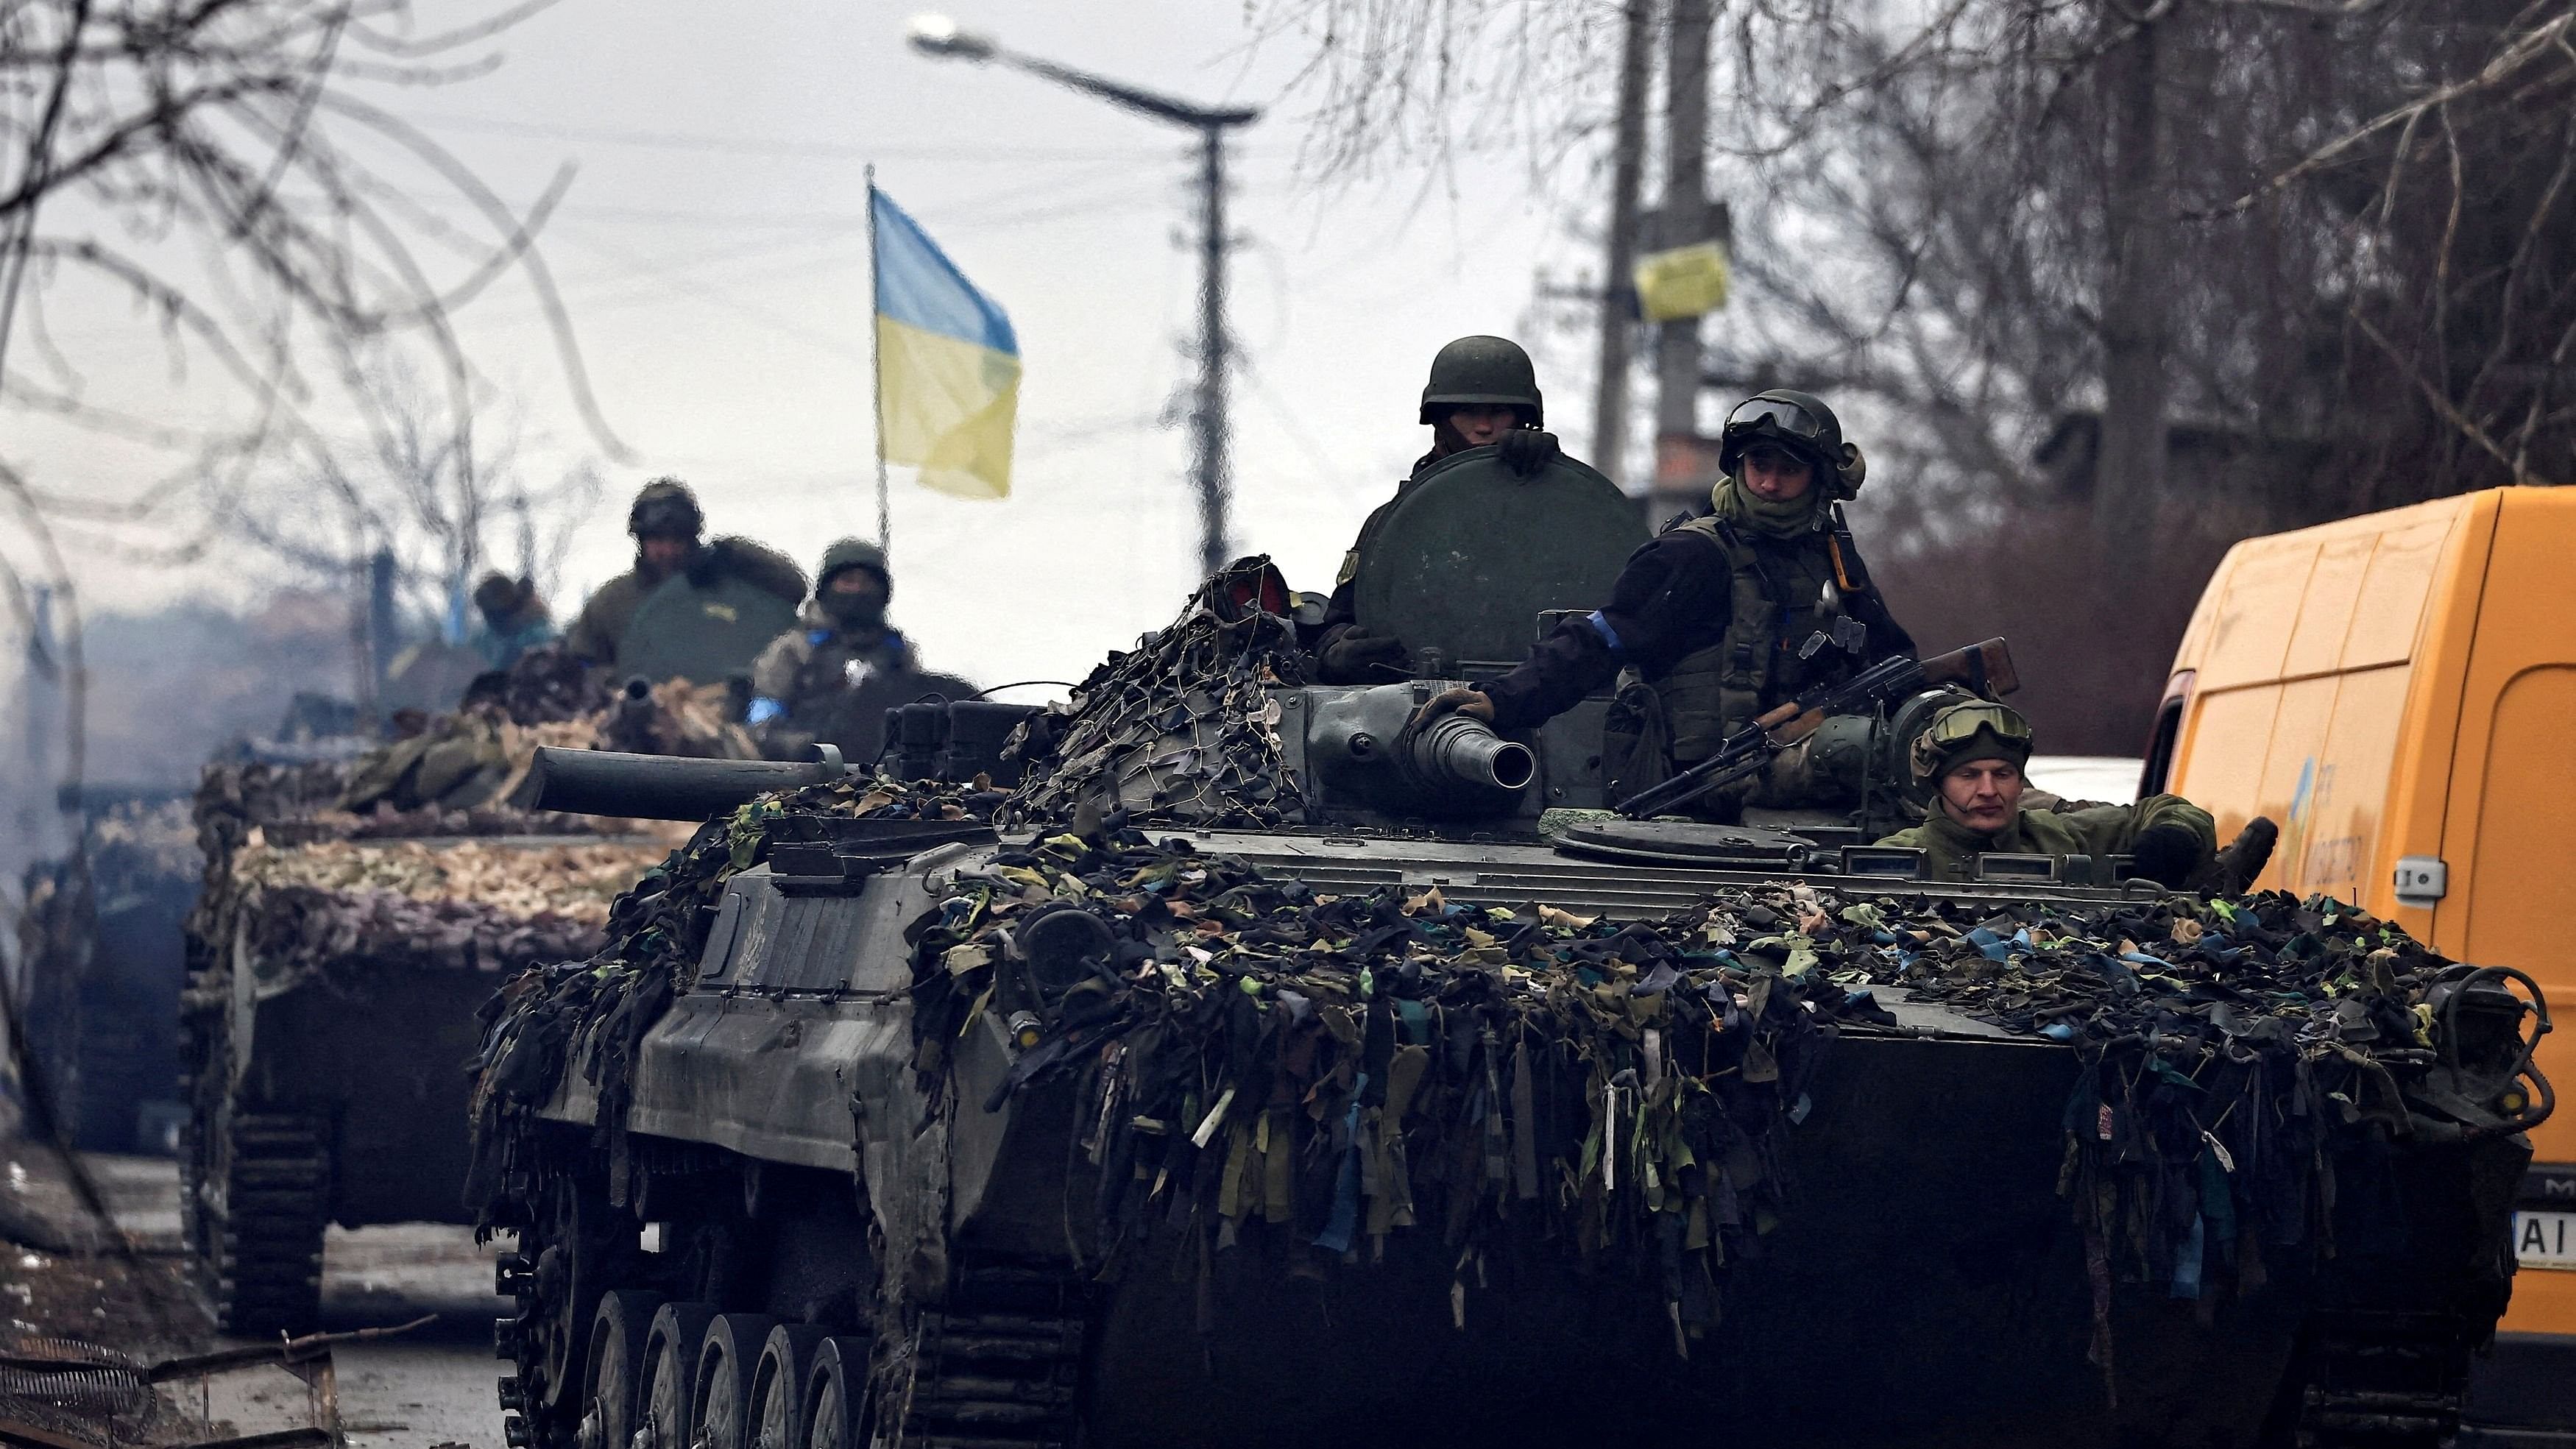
(1210, 469)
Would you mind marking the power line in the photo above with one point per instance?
(772, 146)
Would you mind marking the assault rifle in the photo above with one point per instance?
(1985, 669)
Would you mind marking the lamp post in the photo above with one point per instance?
(1211, 471)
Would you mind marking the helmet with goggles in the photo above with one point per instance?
(1796, 421)
(1978, 729)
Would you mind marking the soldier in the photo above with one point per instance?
(833, 676)
(1723, 616)
(668, 526)
(515, 620)
(1970, 759)
(1482, 390)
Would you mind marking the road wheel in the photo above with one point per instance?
(670, 1364)
(720, 1396)
(615, 1370)
(267, 1202)
(778, 1385)
(835, 1402)
(571, 1246)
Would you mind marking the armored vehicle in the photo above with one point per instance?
(1256, 1069)
(335, 961)
(98, 947)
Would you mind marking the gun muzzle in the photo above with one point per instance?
(1458, 749)
(659, 787)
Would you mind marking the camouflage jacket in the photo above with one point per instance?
(1950, 849)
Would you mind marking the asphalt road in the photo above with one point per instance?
(431, 1386)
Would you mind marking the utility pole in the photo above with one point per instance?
(1684, 219)
(1619, 251)
(1211, 430)
(2129, 471)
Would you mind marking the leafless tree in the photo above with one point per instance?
(2106, 284)
(219, 166)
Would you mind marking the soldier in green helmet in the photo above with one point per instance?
(669, 531)
(832, 677)
(1969, 760)
(1482, 392)
(1722, 616)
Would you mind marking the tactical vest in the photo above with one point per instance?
(1710, 693)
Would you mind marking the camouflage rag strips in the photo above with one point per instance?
(1322, 1072)
(1179, 725)
(1261, 1063)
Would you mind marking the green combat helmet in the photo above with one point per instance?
(665, 508)
(1799, 422)
(852, 553)
(1483, 372)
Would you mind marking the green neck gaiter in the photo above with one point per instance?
(1735, 504)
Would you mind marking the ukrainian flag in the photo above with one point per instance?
(948, 365)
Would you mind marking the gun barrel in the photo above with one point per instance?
(658, 787)
(1459, 749)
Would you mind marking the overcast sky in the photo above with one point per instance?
(712, 251)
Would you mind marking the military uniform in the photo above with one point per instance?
(665, 508)
(832, 678)
(1718, 616)
(2171, 840)
(1471, 372)
(1950, 849)
(818, 659)
(514, 620)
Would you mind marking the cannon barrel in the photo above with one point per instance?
(659, 787)
(1458, 749)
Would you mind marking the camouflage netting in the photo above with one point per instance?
(310, 864)
(1265, 1068)
(1308, 1076)
(1342, 1069)
(1177, 728)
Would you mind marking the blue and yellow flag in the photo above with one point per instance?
(948, 366)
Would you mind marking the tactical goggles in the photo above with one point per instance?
(1774, 415)
(1959, 725)
(671, 518)
(1960, 722)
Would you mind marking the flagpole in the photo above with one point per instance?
(876, 376)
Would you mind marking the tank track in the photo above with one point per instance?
(2383, 1381)
(999, 1369)
(263, 1267)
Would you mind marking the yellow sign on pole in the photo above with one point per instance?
(1684, 282)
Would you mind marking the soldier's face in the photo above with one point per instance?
(856, 583)
(1982, 794)
(1777, 475)
(663, 553)
(1479, 426)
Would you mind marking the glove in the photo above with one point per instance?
(708, 566)
(2166, 854)
(1527, 451)
(1473, 703)
(2244, 858)
(1358, 656)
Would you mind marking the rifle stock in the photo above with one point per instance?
(1985, 667)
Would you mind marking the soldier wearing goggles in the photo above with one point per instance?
(1970, 760)
(1722, 616)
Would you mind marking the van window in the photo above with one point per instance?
(2160, 742)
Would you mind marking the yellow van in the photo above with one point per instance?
(2398, 691)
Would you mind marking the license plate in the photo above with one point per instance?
(2545, 1240)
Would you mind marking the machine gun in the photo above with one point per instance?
(1984, 668)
